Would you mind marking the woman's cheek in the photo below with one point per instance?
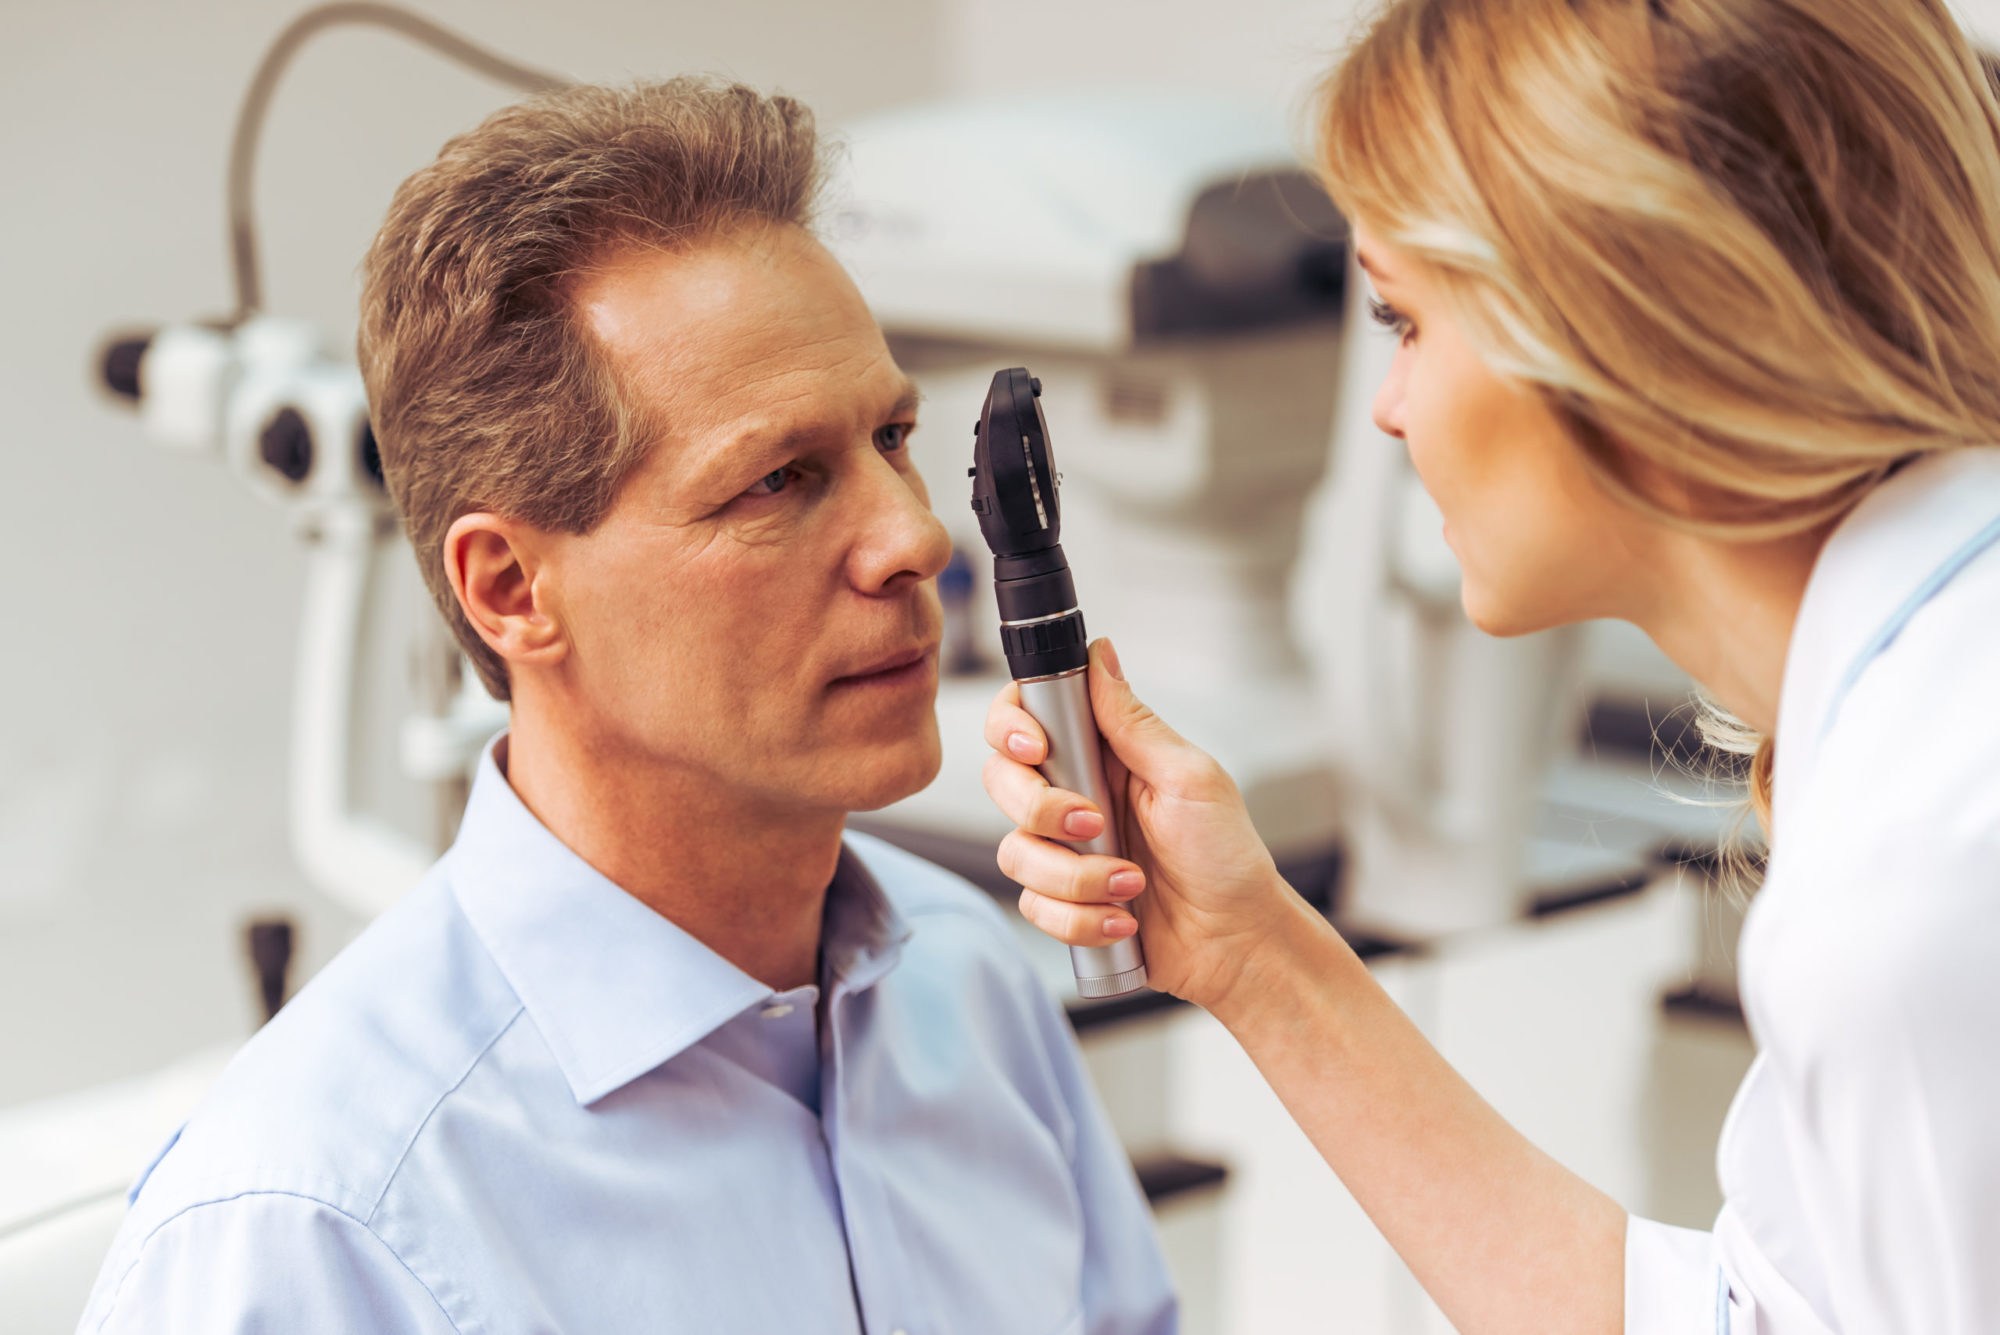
(1429, 450)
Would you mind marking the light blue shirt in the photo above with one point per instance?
(522, 1101)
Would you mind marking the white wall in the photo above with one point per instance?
(149, 598)
(1272, 50)
(1981, 18)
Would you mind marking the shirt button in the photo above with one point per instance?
(779, 1012)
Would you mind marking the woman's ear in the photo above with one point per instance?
(494, 564)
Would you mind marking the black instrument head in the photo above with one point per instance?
(1014, 469)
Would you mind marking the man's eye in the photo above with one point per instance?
(772, 482)
(894, 436)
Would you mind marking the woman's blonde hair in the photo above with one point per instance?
(1748, 250)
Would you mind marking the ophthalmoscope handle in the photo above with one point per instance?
(1061, 704)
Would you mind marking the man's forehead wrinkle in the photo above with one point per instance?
(772, 384)
(804, 361)
(722, 361)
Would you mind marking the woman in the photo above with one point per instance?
(1698, 305)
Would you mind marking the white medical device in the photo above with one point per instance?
(268, 401)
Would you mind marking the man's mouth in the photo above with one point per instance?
(904, 668)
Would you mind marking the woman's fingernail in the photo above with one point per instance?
(1084, 824)
(1122, 925)
(1125, 884)
(1022, 746)
(1111, 663)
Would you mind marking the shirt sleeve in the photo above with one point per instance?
(261, 1264)
(1126, 1289)
(1673, 1281)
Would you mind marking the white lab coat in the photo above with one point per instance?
(1860, 1164)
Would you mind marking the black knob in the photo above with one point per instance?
(1322, 274)
(371, 456)
(270, 943)
(1035, 386)
(119, 364)
(286, 445)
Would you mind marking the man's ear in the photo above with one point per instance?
(495, 565)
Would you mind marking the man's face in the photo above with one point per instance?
(776, 546)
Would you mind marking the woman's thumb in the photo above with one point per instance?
(1137, 736)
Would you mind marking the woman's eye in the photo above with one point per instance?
(894, 436)
(1390, 318)
(772, 482)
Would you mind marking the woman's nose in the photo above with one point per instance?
(1388, 409)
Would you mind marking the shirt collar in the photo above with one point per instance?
(615, 988)
(1878, 556)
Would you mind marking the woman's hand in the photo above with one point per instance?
(1505, 1238)
(1213, 897)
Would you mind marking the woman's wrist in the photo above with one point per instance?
(1299, 961)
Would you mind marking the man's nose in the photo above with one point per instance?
(902, 541)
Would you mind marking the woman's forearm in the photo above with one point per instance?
(1503, 1237)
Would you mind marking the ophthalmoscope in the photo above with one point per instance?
(1014, 484)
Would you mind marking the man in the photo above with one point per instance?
(652, 1048)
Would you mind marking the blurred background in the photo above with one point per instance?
(1521, 836)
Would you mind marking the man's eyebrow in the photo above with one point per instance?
(1369, 266)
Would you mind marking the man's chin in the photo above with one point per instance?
(885, 779)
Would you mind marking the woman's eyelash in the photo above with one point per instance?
(1388, 316)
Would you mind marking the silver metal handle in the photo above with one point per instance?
(1076, 763)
